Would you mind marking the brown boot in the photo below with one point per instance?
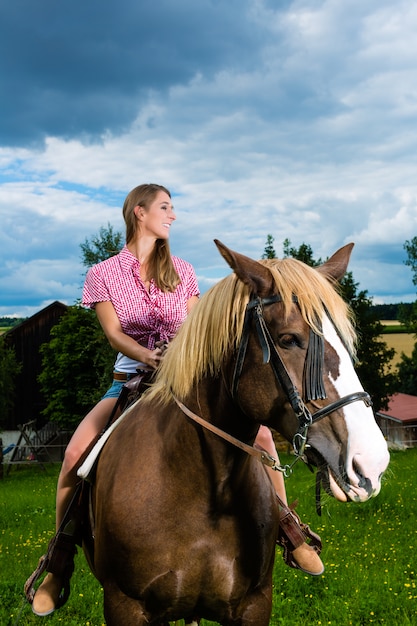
(55, 588)
(292, 536)
(47, 596)
(58, 561)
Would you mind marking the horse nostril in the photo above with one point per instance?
(363, 482)
(366, 484)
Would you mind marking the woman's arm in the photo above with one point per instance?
(191, 302)
(120, 341)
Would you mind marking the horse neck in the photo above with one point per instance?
(226, 465)
(212, 401)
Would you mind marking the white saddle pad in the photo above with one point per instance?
(86, 467)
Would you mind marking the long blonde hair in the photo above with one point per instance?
(160, 266)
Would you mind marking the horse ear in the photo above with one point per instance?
(255, 275)
(336, 266)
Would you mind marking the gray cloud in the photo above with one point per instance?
(297, 122)
(82, 68)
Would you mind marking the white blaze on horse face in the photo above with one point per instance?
(367, 454)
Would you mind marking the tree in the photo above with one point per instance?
(304, 253)
(407, 373)
(77, 366)
(410, 247)
(269, 251)
(101, 247)
(9, 322)
(407, 367)
(373, 355)
(9, 368)
(408, 313)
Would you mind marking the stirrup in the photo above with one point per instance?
(293, 533)
(58, 560)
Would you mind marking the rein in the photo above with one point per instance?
(315, 354)
(259, 453)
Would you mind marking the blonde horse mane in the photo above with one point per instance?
(214, 326)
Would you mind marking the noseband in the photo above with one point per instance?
(254, 313)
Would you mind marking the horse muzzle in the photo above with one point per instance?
(356, 483)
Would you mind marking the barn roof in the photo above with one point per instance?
(402, 408)
(54, 307)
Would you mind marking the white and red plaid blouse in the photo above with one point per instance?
(146, 316)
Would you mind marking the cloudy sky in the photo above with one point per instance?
(291, 118)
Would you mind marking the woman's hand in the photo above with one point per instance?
(155, 356)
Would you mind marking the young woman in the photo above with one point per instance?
(141, 297)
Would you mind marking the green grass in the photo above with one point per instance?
(369, 551)
(394, 329)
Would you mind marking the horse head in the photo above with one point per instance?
(298, 335)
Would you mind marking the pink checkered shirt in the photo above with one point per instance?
(146, 316)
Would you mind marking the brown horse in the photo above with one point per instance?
(185, 521)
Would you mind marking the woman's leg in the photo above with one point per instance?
(88, 429)
(265, 440)
(303, 555)
(46, 598)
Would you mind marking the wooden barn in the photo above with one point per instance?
(399, 421)
(26, 338)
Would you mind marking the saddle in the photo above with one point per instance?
(131, 391)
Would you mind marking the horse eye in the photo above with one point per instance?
(288, 341)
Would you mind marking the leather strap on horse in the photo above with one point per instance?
(292, 532)
(259, 453)
(319, 478)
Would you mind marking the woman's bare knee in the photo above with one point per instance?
(264, 439)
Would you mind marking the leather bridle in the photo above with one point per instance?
(254, 312)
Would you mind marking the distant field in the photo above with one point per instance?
(401, 342)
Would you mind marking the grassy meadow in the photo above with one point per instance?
(368, 551)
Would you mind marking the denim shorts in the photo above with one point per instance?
(116, 388)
